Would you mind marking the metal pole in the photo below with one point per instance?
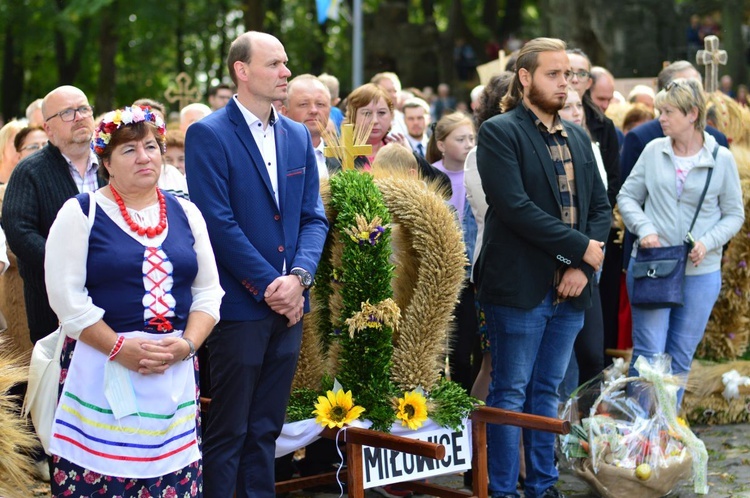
(357, 39)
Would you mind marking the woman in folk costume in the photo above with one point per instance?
(134, 283)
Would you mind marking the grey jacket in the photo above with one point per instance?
(649, 204)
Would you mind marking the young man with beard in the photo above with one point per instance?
(548, 213)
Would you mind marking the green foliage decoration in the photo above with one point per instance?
(365, 275)
(451, 404)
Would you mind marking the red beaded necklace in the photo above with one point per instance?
(149, 232)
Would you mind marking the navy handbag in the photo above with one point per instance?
(659, 276)
(659, 272)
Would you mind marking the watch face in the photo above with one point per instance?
(304, 277)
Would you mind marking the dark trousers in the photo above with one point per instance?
(589, 345)
(252, 365)
(465, 355)
(609, 290)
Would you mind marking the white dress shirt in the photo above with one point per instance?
(265, 139)
(415, 142)
(320, 158)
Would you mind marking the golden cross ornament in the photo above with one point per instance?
(182, 92)
(348, 150)
(711, 57)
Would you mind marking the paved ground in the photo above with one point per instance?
(728, 467)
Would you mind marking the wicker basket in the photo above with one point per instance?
(611, 481)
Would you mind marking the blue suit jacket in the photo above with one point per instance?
(251, 236)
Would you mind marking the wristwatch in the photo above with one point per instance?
(305, 277)
(191, 354)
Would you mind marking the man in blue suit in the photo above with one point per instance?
(253, 174)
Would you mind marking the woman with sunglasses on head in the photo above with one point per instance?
(659, 201)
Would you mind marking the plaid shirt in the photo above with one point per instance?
(556, 140)
(89, 182)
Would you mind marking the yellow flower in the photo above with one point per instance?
(336, 409)
(412, 410)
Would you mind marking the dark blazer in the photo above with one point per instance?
(635, 141)
(524, 237)
(604, 132)
(36, 191)
(251, 236)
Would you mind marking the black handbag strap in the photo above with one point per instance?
(705, 189)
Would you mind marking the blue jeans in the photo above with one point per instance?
(675, 331)
(530, 352)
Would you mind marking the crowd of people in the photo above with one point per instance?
(152, 244)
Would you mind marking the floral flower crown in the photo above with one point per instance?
(114, 120)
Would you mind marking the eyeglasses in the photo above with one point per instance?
(582, 75)
(32, 147)
(68, 115)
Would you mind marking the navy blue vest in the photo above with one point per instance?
(114, 270)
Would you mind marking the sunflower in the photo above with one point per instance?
(336, 409)
(412, 410)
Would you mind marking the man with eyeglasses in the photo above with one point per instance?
(40, 185)
(600, 323)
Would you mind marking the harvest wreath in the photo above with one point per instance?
(374, 345)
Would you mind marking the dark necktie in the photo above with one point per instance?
(420, 150)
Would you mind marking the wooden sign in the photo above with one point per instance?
(382, 466)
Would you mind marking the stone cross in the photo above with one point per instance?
(347, 150)
(182, 92)
(711, 57)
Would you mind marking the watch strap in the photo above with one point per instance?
(191, 354)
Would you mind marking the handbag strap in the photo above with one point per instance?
(92, 207)
(705, 189)
(91, 218)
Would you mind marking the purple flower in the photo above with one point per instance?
(375, 234)
(738, 291)
(742, 264)
(731, 336)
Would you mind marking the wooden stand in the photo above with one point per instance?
(356, 438)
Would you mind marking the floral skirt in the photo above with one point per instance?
(72, 480)
(484, 338)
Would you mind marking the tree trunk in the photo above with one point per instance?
(732, 40)
(224, 44)
(68, 66)
(512, 19)
(254, 14)
(489, 16)
(108, 41)
(428, 9)
(12, 86)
